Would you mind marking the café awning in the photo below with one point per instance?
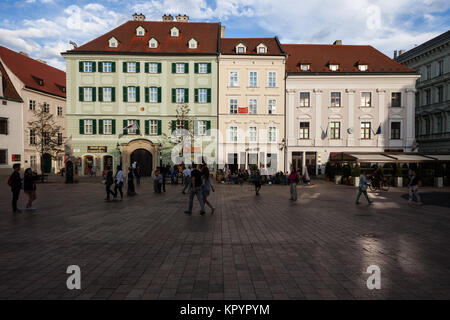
(387, 157)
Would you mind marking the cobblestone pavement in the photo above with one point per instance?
(253, 247)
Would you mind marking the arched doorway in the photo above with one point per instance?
(47, 159)
(88, 164)
(144, 160)
(107, 163)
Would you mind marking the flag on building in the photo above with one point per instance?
(325, 133)
(378, 130)
(131, 126)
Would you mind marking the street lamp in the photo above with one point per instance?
(160, 155)
(282, 146)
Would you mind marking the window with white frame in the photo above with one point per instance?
(107, 126)
(87, 66)
(253, 79)
(366, 99)
(252, 106)
(88, 126)
(32, 136)
(335, 99)
(335, 130)
(202, 68)
(304, 67)
(153, 94)
(202, 95)
(32, 105)
(153, 67)
(395, 130)
(153, 127)
(107, 94)
(363, 67)
(233, 134)
(272, 134)
(201, 127)
(271, 106)
(233, 106)
(365, 130)
(192, 44)
(234, 81)
(262, 50)
(180, 95)
(272, 79)
(87, 94)
(33, 162)
(304, 99)
(131, 94)
(46, 107)
(131, 67)
(174, 32)
(304, 130)
(240, 49)
(396, 99)
(153, 43)
(59, 111)
(180, 68)
(334, 67)
(107, 66)
(252, 135)
(133, 130)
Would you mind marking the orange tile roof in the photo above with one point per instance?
(347, 56)
(9, 92)
(228, 45)
(31, 72)
(206, 34)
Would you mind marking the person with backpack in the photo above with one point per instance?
(363, 184)
(29, 187)
(15, 182)
(293, 181)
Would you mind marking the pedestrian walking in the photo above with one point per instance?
(118, 182)
(187, 179)
(130, 183)
(29, 187)
(137, 173)
(414, 189)
(257, 180)
(109, 181)
(160, 178)
(156, 181)
(362, 189)
(207, 187)
(293, 181)
(15, 182)
(196, 190)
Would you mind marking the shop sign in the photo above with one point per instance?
(98, 149)
(15, 157)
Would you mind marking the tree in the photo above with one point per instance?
(47, 133)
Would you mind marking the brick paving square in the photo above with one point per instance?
(253, 247)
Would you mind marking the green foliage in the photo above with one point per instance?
(339, 170)
(398, 170)
(356, 171)
(347, 171)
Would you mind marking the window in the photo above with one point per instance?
(32, 136)
(131, 67)
(107, 94)
(304, 99)
(192, 44)
(262, 50)
(252, 106)
(180, 68)
(201, 127)
(365, 130)
(395, 130)
(180, 127)
(133, 130)
(396, 99)
(180, 96)
(304, 67)
(304, 130)
(253, 79)
(131, 94)
(429, 72)
(202, 95)
(33, 162)
(335, 99)
(107, 126)
(272, 134)
(363, 67)
(366, 99)
(107, 66)
(440, 90)
(334, 67)
(60, 138)
(87, 94)
(233, 79)
(202, 68)
(153, 67)
(153, 94)
(427, 125)
(174, 32)
(428, 96)
(271, 106)
(240, 49)
(272, 79)
(59, 111)
(113, 42)
(88, 126)
(153, 127)
(32, 105)
(3, 126)
(335, 130)
(140, 31)
(233, 134)
(438, 123)
(3, 156)
(233, 106)
(87, 66)
(153, 43)
(441, 67)
(252, 134)
(46, 107)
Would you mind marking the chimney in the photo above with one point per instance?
(395, 54)
(222, 31)
(138, 17)
(338, 43)
(401, 52)
(167, 18)
(181, 18)
(24, 53)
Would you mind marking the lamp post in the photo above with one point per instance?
(160, 155)
(282, 145)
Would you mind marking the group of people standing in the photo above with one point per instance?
(118, 181)
(198, 182)
(28, 185)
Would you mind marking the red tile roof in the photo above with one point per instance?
(228, 45)
(31, 71)
(347, 56)
(205, 33)
(9, 92)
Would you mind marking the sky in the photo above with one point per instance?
(43, 28)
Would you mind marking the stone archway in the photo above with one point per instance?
(140, 143)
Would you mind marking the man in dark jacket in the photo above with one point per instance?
(109, 181)
(16, 185)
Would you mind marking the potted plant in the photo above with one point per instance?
(356, 173)
(439, 176)
(339, 173)
(398, 176)
(328, 171)
(419, 173)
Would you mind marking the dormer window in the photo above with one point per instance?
(241, 48)
(140, 31)
(261, 48)
(174, 32)
(153, 43)
(39, 81)
(334, 67)
(304, 66)
(363, 67)
(113, 42)
(192, 44)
